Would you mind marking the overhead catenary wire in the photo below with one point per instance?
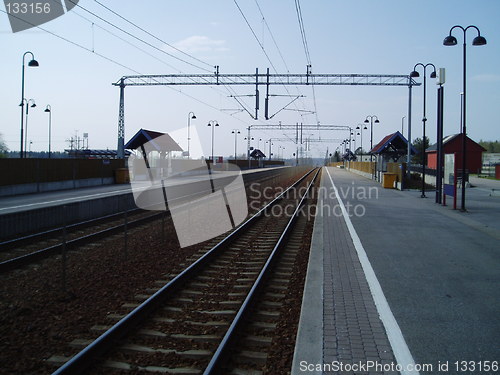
(298, 9)
(139, 39)
(262, 47)
(229, 89)
(150, 34)
(111, 60)
(278, 48)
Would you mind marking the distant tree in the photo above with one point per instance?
(490, 146)
(417, 143)
(3, 147)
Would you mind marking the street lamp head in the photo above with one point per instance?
(33, 105)
(450, 40)
(433, 74)
(357, 127)
(48, 109)
(377, 121)
(33, 63)
(366, 121)
(365, 128)
(414, 74)
(193, 116)
(216, 124)
(479, 41)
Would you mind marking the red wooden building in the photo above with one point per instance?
(453, 144)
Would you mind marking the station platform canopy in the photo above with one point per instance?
(393, 146)
(157, 141)
(257, 154)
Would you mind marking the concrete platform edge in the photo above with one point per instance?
(309, 341)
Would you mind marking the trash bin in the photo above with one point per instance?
(388, 180)
(122, 176)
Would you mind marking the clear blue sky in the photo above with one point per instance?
(357, 36)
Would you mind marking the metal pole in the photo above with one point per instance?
(189, 138)
(439, 171)
(26, 132)
(424, 119)
(248, 148)
(464, 132)
(48, 109)
(22, 111)
(120, 152)
(408, 157)
(50, 130)
(361, 132)
(371, 136)
(213, 127)
(63, 252)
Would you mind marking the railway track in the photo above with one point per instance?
(19, 252)
(224, 305)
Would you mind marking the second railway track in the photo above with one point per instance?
(18, 252)
(191, 324)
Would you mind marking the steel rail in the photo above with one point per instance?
(86, 357)
(36, 236)
(222, 352)
(26, 259)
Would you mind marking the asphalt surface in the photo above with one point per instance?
(439, 269)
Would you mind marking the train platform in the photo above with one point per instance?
(27, 202)
(399, 284)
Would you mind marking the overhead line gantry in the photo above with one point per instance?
(257, 79)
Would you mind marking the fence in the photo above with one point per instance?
(25, 176)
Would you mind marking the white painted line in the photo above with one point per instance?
(394, 334)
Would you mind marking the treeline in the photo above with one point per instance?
(490, 146)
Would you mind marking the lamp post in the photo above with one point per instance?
(461, 111)
(48, 109)
(450, 40)
(271, 144)
(415, 74)
(190, 116)
(33, 105)
(32, 63)
(213, 124)
(361, 127)
(249, 140)
(235, 132)
(371, 117)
